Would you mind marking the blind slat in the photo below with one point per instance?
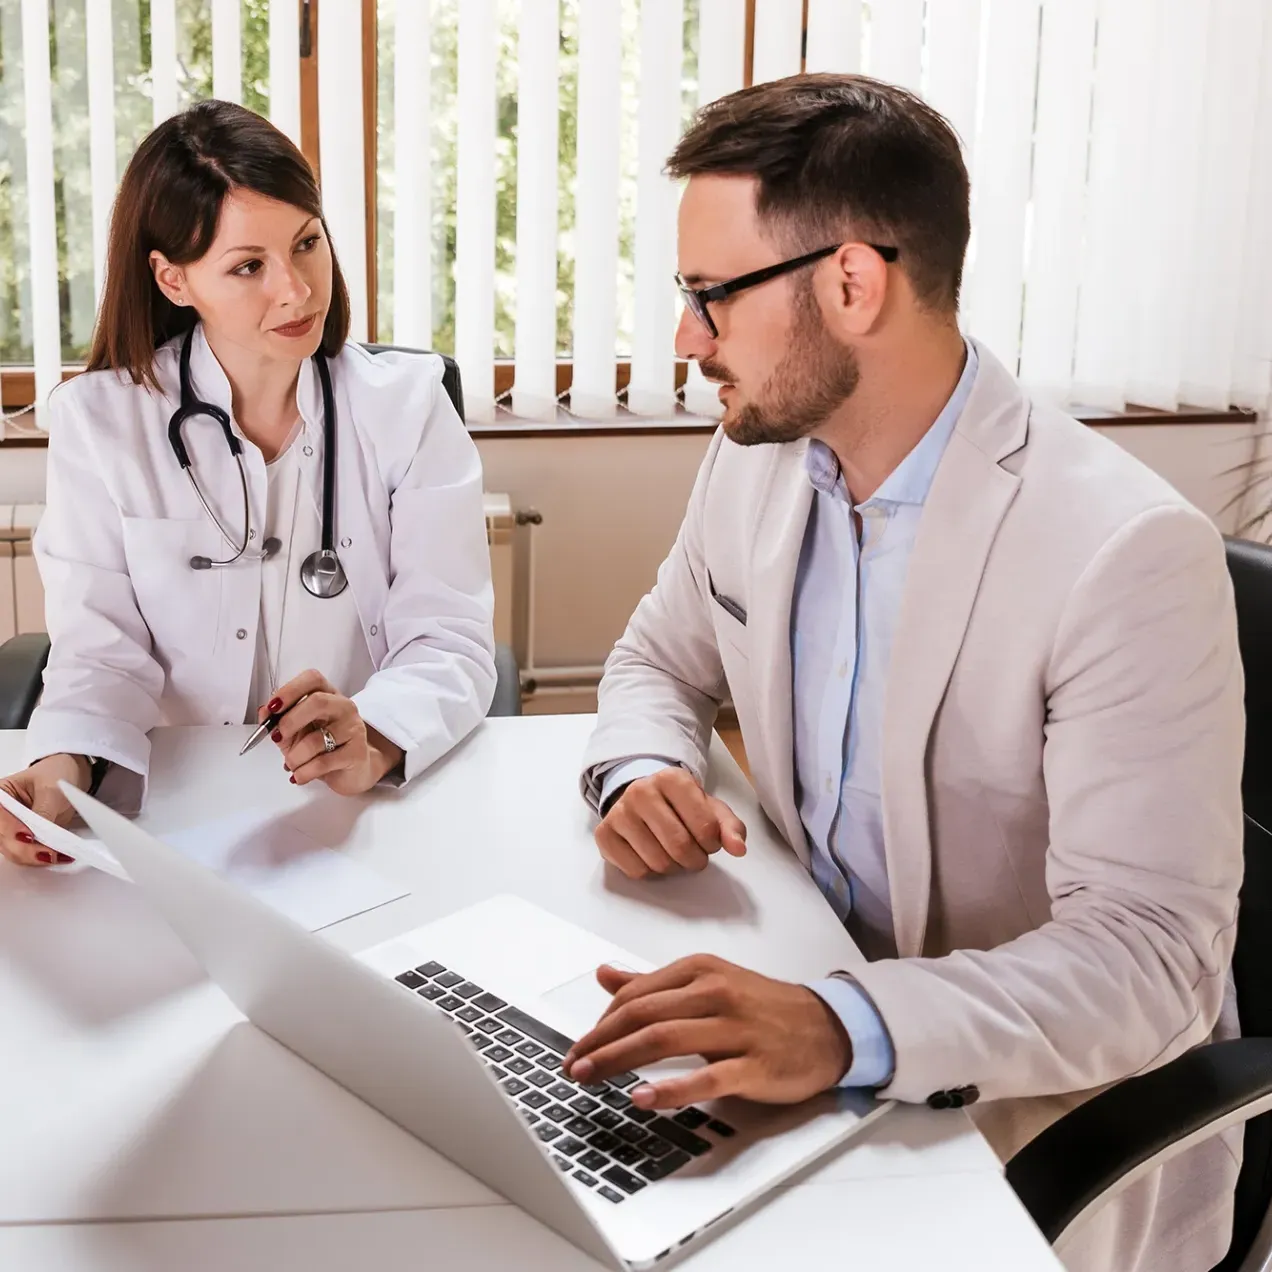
(1000, 180)
(412, 208)
(778, 37)
(284, 67)
(652, 390)
(596, 211)
(896, 42)
(475, 208)
(953, 66)
(1115, 189)
(99, 37)
(834, 36)
(1228, 141)
(721, 46)
(1065, 74)
(538, 40)
(163, 58)
(227, 51)
(41, 212)
(340, 141)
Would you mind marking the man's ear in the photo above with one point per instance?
(852, 290)
(170, 278)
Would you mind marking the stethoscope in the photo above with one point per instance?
(320, 572)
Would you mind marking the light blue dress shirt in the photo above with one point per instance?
(844, 612)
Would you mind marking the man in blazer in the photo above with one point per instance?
(984, 663)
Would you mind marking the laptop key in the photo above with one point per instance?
(604, 1142)
(496, 1072)
(562, 1091)
(499, 1054)
(535, 1099)
(692, 1144)
(581, 1126)
(431, 992)
(490, 1025)
(550, 1061)
(610, 1195)
(557, 1113)
(569, 1145)
(593, 1088)
(489, 1002)
(607, 1118)
(640, 1115)
(563, 1164)
(664, 1166)
(584, 1178)
(630, 1132)
(467, 990)
(470, 1014)
(538, 1078)
(430, 969)
(536, 1029)
(593, 1160)
(628, 1155)
(691, 1118)
(547, 1132)
(624, 1080)
(626, 1181)
(412, 980)
(518, 1065)
(509, 1037)
(450, 1003)
(479, 1040)
(722, 1129)
(655, 1146)
(514, 1086)
(615, 1099)
(530, 1049)
(584, 1104)
(447, 979)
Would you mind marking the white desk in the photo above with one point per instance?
(130, 1089)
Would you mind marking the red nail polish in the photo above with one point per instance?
(292, 780)
(64, 860)
(45, 857)
(274, 704)
(24, 837)
(277, 735)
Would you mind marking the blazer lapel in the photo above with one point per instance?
(775, 549)
(969, 497)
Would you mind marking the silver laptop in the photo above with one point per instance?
(456, 1030)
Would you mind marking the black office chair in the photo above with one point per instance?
(1150, 1118)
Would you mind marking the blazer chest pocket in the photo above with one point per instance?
(730, 616)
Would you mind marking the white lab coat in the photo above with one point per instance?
(141, 639)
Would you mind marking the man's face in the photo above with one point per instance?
(781, 372)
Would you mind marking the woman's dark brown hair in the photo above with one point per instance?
(836, 155)
(170, 201)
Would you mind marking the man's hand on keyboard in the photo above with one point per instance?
(665, 824)
(763, 1039)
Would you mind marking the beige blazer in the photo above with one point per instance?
(1062, 756)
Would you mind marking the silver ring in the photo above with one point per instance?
(329, 743)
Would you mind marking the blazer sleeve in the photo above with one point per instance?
(1142, 761)
(102, 684)
(438, 678)
(664, 681)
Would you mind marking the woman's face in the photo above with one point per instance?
(264, 284)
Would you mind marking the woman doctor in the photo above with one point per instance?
(187, 510)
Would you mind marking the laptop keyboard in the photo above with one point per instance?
(592, 1132)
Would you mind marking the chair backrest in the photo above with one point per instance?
(450, 376)
(1250, 565)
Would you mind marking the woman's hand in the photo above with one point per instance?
(361, 756)
(37, 788)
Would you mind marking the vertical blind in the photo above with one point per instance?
(1118, 148)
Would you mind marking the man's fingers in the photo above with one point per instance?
(695, 810)
(676, 839)
(732, 828)
(712, 1082)
(612, 979)
(619, 853)
(669, 1007)
(664, 1040)
(628, 824)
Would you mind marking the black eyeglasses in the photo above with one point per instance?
(697, 298)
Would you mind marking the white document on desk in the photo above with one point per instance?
(255, 849)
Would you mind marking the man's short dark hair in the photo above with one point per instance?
(840, 157)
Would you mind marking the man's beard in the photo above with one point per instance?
(815, 376)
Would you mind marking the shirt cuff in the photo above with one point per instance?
(626, 771)
(874, 1059)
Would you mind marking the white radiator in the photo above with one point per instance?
(22, 596)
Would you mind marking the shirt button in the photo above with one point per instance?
(308, 450)
(374, 629)
(241, 633)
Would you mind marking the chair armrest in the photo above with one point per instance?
(22, 661)
(507, 699)
(1121, 1134)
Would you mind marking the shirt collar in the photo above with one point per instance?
(910, 481)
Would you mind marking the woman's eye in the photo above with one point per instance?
(308, 244)
(247, 269)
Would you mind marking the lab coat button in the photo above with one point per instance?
(374, 629)
(346, 542)
(241, 633)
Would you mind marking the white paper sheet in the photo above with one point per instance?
(256, 849)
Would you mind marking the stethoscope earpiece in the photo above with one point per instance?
(321, 572)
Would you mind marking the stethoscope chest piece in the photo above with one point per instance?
(322, 575)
